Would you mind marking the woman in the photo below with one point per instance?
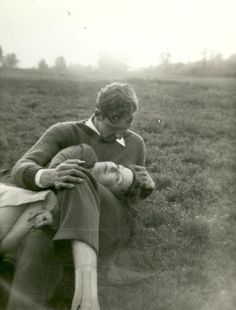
(34, 209)
(127, 183)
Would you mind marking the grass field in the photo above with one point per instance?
(184, 246)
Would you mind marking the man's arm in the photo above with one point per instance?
(142, 154)
(136, 149)
(65, 175)
(54, 139)
(72, 158)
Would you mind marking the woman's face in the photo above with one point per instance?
(116, 177)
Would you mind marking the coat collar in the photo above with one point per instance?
(89, 123)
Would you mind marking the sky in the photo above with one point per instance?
(138, 31)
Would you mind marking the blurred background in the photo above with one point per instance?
(96, 38)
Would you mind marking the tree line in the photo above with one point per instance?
(9, 60)
(212, 64)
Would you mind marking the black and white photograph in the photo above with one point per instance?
(117, 155)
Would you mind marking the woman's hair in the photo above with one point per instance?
(116, 100)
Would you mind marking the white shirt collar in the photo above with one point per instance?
(89, 123)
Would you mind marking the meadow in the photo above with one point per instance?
(182, 255)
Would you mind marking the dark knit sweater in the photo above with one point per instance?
(62, 135)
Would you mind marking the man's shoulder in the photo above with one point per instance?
(68, 124)
(134, 135)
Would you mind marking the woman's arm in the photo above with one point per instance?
(32, 217)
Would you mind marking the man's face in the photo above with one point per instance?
(110, 130)
(116, 177)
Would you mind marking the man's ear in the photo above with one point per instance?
(98, 115)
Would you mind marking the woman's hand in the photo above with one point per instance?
(66, 175)
(41, 218)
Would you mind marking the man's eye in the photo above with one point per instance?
(115, 118)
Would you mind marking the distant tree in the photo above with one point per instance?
(42, 65)
(204, 55)
(232, 59)
(10, 61)
(60, 64)
(1, 54)
(215, 57)
(109, 62)
(165, 58)
(230, 65)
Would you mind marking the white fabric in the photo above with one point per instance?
(11, 195)
(38, 177)
(89, 123)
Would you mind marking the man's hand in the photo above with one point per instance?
(143, 184)
(66, 175)
(143, 178)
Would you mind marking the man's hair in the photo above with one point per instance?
(116, 100)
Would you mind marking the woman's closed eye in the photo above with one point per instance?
(113, 169)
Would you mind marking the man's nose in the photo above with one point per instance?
(120, 133)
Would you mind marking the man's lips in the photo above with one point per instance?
(109, 138)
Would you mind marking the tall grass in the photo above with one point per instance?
(183, 251)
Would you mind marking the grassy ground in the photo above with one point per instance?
(183, 252)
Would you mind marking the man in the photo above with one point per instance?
(91, 220)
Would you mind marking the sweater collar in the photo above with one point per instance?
(89, 123)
